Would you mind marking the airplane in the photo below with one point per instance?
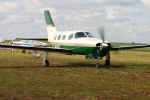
(74, 43)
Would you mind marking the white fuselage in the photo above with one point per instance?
(74, 38)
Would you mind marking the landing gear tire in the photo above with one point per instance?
(97, 66)
(107, 62)
(46, 63)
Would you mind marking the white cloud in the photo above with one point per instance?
(88, 15)
(119, 2)
(67, 17)
(146, 2)
(111, 15)
(116, 14)
(7, 6)
(11, 4)
(16, 19)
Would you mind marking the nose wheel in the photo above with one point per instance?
(97, 63)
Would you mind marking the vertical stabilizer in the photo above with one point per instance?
(50, 26)
(48, 18)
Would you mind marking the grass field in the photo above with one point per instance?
(23, 77)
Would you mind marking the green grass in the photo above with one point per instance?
(23, 77)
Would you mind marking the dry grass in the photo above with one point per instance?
(74, 78)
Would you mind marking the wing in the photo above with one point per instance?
(31, 38)
(128, 47)
(48, 49)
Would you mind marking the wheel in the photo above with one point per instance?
(97, 66)
(107, 62)
(46, 63)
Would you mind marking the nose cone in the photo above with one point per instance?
(104, 44)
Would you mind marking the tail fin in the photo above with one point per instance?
(50, 26)
(48, 18)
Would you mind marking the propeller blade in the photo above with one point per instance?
(102, 33)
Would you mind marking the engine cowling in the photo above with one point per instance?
(100, 51)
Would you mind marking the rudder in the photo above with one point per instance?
(48, 18)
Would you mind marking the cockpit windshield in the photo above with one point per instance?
(89, 34)
(80, 34)
(83, 34)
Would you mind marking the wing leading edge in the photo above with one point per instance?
(128, 47)
(49, 49)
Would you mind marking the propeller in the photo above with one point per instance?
(100, 46)
(101, 32)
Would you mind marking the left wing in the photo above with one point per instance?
(128, 47)
(48, 49)
(31, 39)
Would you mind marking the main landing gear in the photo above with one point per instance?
(97, 63)
(107, 60)
(45, 59)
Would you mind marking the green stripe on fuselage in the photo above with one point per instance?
(80, 50)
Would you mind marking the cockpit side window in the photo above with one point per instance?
(80, 34)
(70, 37)
(55, 37)
(89, 34)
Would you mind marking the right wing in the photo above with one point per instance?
(128, 47)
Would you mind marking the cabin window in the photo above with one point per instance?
(64, 37)
(70, 37)
(55, 38)
(59, 36)
(80, 34)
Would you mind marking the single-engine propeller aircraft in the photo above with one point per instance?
(74, 42)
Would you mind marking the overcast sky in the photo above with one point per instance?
(124, 20)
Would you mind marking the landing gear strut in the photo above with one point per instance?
(97, 63)
(45, 60)
(107, 62)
